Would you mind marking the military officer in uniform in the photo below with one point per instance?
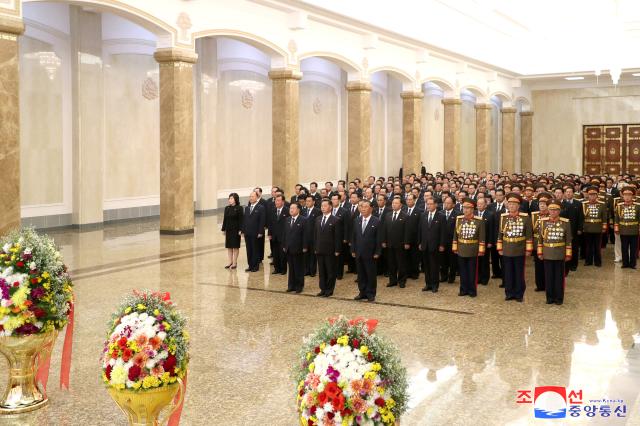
(515, 241)
(468, 244)
(627, 220)
(595, 225)
(554, 248)
(538, 264)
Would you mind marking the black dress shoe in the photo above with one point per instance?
(443, 280)
(248, 270)
(328, 294)
(402, 285)
(472, 295)
(549, 302)
(487, 283)
(371, 299)
(298, 291)
(451, 281)
(289, 290)
(359, 297)
(587, 264)
(558, 303)
(462, 294)
(338, 278)
(435, 290)
(312, 275)
(509, 298)
(425, 288)
(392, 284)
(321, 294)
(501, 286)
(255, 269)
(574, 269)
(519, 300)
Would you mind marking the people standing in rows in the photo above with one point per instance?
(276, 224)
(483, 261)
(295, 245)
(395, 237)
(232, 228)
(449, 259)
(365, 249)
(432, 226)
(413, 254)
(468, 243)
(327, 246)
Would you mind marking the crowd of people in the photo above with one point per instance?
(444, 225)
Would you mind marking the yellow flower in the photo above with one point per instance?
(167, 327)
(343, 340)
(370, 412)
(127, 310)
(136, 385)
(371, 375)
(380, 390)
(322, 346)
(308, 356)
(45, 275)
(156, 312)
(141, 307)
(364, 350)
(390, 403)
(312, 367)
(376, 366)
(150, 382)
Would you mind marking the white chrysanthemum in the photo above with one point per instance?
(328, 407)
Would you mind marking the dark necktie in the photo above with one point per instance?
(324, 220)
(430, 217)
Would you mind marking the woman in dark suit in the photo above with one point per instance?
(231, 226)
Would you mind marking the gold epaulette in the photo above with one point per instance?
(584, 201)
(478, 217)
(505, 214)
(459, 217)
(524, 214)
(544, 218)
(601, 202)
(564, 219)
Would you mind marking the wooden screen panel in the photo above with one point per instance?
(633, 149)
(593, 141)
(613, 149)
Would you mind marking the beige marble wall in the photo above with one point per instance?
(432, 152)
(89, 116)
(526, 153)
(176, 140)
(467, 150)
(244, 129)
(344, 124)
(483, 137)
(319, 131)
(359, 129)
(41, 134)
(377, 145)
(9, 123)
(452, 135)
(206, 83)
(508, 139)
(285, 128)
(132, 126)
(411, 131)
(560, 115)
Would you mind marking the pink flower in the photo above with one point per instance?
(359, 404)
(312, 381)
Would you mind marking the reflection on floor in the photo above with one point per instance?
(466, 358)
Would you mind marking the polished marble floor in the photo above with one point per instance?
(466, 358)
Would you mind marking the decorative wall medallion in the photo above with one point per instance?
(184, 23)
(636, 151)
(149, 89)
(612, 151)
(593, 151)
(247, 98)
(317, 106)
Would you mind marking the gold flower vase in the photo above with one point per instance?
(143, 407)
(24, 354)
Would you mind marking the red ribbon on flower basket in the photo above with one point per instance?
(42, 375)
(371, 323)
(174, 420)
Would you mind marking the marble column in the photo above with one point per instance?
(10, 29)
(508, 139)
(411, 131)
(88, 122)
(483, 137)
(285, 123)
(452, 124)
(176, 140)
(526, 140)
(359, 129)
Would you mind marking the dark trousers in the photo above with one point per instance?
(483, 269)
(431, 265)
(413, 261)
(272, 247)
(582, 243)
(367, 276)
(351, 261)
(260, 246)
(279, 257)
(448, 265)
(538, 265)
(593, 243)
(496, 262)
(513, 274)
(339, 264)
(253, 255)
(310, 264)
(468, 267)
(397, 265)
(296, 271)
(575, 254)
(554, 280)
(327, 272)
(629, 244)
(381, 262)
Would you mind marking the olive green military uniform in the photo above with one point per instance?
(554, 246)
(594, 230)
(515, 240)
(469, 243)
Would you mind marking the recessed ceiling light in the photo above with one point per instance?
(636, 74)
(574, 78)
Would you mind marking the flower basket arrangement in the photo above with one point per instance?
(36, 301)
(348, 375)
(145, 356)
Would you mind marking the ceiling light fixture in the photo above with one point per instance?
(574, 78)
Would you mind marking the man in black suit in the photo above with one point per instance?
(483, 261)
(253, 230)
(327, 237)
(295, 246)
(395, 235)
(365, 248)
(310, 212)
(448, 260)
(382, 213)
(413, 255)
(270, 206)
(572, 210)
(263, 203)
(277, 221)
(497, 208)
(342, 215)
(313, 191)
(353, 213)
(431, 235)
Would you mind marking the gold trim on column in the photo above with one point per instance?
(175, 54)
(412, 95)
(526, 113)
(451, 101)
(285, 74)
(509, 110)
(483, 106)
(9, 25)
(358, 86)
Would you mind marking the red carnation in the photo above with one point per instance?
(122, 342)
(322, 398)
(16, 284)
(370, 356)
(345, 412)
(170, 364)
(317, 350)
(333, 342)
(310, 422)
(127, 354)
(134, 372)
(299, 393)
(312, 410)
(355, 343)
(107, 371)
(330, 415)
(34, 281)
(332, 390)
(38, 312)
(19, 264)
(338, 402)
(380, 402)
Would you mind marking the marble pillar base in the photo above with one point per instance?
(176, 140)
(10, 29)
(358, 129)
(452, 126)
(411, 132)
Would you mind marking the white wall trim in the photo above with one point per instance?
(125, 202)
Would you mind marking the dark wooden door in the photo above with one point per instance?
(593, 138)
(633, 149)
(611, 149)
